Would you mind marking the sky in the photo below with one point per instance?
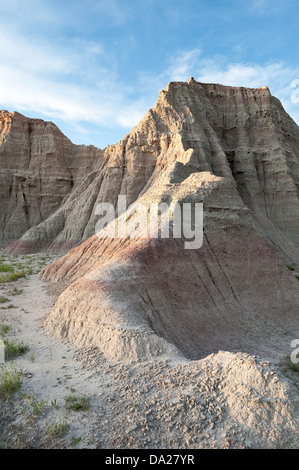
(95, 67)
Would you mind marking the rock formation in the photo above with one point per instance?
(235, 150)
(207, 312)
(39, 168)
(243, 135)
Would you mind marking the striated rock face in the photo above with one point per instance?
(39, 168)
(235, 150)
(243, 135)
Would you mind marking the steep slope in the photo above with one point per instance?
(39, 168)
(241, 134)
(125, 290)
(235, 150)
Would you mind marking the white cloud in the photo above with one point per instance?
(75, 81)
(276, 75)
(181, 67)
(279, 77)
(242, 74)
(295, 93)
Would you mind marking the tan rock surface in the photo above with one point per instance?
(236, 150)
(39, 168)
(227, 148)
(241, 134)
(172, 319)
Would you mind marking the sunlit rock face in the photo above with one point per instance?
(50, 187)
(235, 150)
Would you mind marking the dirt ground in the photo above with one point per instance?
(69, 397)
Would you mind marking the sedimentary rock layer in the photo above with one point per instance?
(39, 168)
(197, 301)
(236, 151)
(241, 134)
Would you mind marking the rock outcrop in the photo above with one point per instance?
(197, 318)
(235, 150)
(39, 169)
(243, 135)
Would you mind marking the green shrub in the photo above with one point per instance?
(290, 267)
(15, 291)
(37, 406)
(291, 365)
(4, 329)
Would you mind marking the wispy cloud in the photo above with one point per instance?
(183, 64)
(77, 81)
(295, 91)
(56, 64)
(282, 79)
(119, 12)
(279, 77)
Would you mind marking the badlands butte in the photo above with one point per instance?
(220, 318)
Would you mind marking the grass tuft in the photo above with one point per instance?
(12, 277)
(294, 367)
(77, 403)
(58, 429)
(4, 329)
(10, 380)
(5, 268)
(13, 350)
(15, 291)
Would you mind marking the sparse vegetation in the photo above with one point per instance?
(58, 429)
(15, 291)
(32, 357)
(4, 329)
(14, 271)
(290, 267)
(76, 403)
(3, 299)
(5, 268)
(75, 441)
(10, 380)
(13, 350)
(14, 276)
(292, 366)
(34, 405)
(37, 406)
(54, 403)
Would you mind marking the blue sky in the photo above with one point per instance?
(94, 67)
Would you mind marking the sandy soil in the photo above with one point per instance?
(226, 400)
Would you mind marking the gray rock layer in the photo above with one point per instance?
(39, 168)
(237, 151)
(243, 135)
